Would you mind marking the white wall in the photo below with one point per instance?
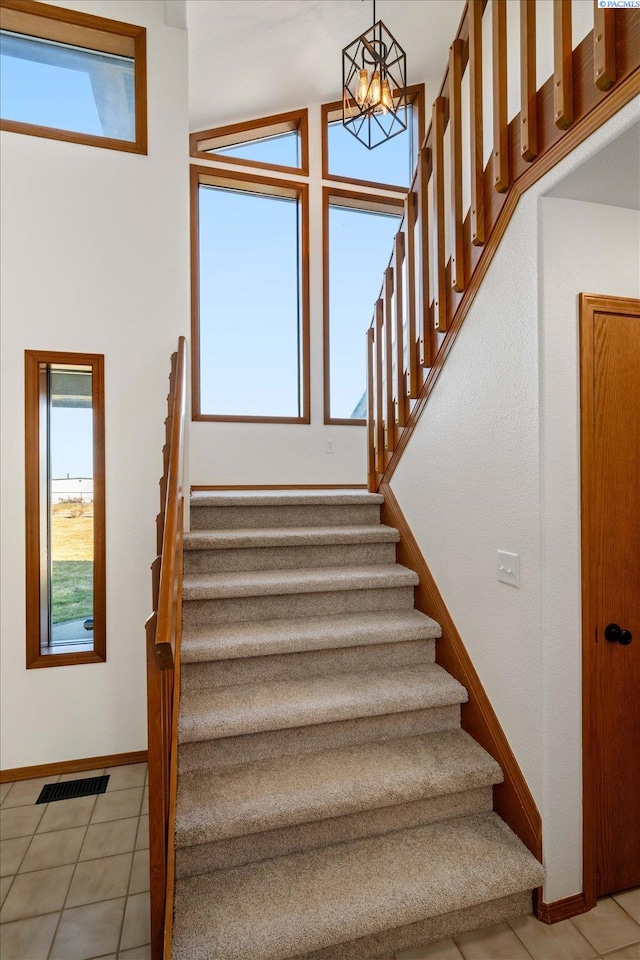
(95, 259)
(493, 464)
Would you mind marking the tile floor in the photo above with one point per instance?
(74, 885)
(74, 874)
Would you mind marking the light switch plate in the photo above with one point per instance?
(509, 568)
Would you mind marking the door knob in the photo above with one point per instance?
(615, 634)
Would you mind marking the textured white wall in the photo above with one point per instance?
(493, 464)
(95, 259)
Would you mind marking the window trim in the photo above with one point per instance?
(359, 201)
(415, 95)
(46, 22)
(33, 398)
(234, 134)
(269, 186)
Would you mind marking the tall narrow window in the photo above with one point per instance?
(72, 76)
(251, 328)
(65, 508)
(360, 232)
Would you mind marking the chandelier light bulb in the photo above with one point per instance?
(386, 98)
(374, 89)
(363, 88)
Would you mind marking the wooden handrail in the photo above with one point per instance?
(588, 85)
(163, 630)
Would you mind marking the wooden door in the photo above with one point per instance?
(610, 461)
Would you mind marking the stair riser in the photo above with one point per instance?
(300, 666)
(292, 606)
(288, 558)
(388, 942)
(276, 743)
(209, 857)
(291, 515)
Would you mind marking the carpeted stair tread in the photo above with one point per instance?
(251, 537)
(295, 904)
(256, 707)
(250, 798)
(201, 643)
(283, 498)
(262, 583)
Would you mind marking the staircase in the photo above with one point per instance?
(329, 805)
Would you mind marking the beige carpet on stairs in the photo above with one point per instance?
(329, 805)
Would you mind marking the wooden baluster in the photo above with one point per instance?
(155, 581)
(379, 401)
(424, 291)
(371, 443)
(157, 831)
(159, 532)
(390, 423)
(439, 258)
(528, 88)
(401, 380)
(455, 134)
(604, 46)
(562, 64)
(476, 122)
(410, 253)
(500, 103)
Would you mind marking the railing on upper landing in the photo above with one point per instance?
(163, 661)
(440, 254)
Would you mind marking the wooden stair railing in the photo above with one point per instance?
(163, 662)
(431, 289)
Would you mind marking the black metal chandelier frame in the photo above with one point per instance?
(374, 84)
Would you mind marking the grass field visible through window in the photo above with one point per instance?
(72, 561)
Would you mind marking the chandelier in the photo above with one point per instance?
(374, 81)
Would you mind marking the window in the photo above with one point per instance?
(280, 143)
(64, 462)
(71, 76)
(359, 232)
(390, 165)
(250, 323)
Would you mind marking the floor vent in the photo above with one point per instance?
(70, 789)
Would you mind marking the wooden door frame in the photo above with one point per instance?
(589, 304)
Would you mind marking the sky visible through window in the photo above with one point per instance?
(286, 146)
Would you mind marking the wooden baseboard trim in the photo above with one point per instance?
(512, 799)
(559, 910)
(72, 766)
(282, 486)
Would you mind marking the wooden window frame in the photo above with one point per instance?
(89, 32)
(357, 201)
(235, 133)
(416, 97)
(269, 186)
(33, 399)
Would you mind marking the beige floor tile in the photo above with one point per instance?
(90, 931)
(137, 953)
(145, 800)
(117, 805)
(142, 841)
(126, 776)
(630, 901)
(11, 854)
(20, 821)
(96, 880)
(4, 790)
(64, 814)
(5, 883)
(26, 791)
(140, 873)
(556, 941)
(443, 950)
(32, 894)
(53, 849)
(28, 938)
(136, 930)
(632, 952)
(81, 775)
(608, 927)
(498, 942)
(106, 839)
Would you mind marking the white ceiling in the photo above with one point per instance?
(610, 177)
(251, 58)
